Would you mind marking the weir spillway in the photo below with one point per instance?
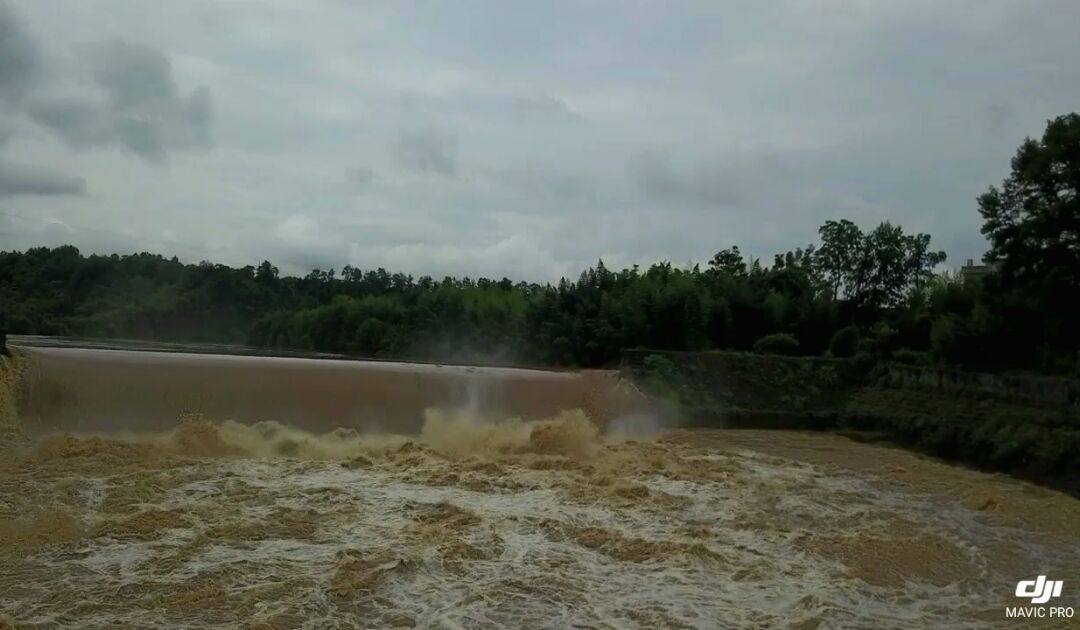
(64, 387)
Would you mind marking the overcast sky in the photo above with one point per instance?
(521, 139)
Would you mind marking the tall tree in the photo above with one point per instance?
(1033, 220)
(892, 265)
(729, 261)
(841, 249)
(877, 269)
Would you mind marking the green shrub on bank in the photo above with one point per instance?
(711, 386)
(770, 391)
(845, 342)
(1014, 438)
(661, 375)
(779, 343)
(912, 357)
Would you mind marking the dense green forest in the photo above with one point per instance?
(852, 291)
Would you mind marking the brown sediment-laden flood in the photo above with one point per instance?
(481, 522)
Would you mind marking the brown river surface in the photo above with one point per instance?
(482, 522)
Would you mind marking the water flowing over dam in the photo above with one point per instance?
(94, 389)
(150, 488)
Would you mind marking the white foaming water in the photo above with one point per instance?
(511, 524)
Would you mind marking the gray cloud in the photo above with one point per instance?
(139, 105)
(538, 137)
(545, 181)
(660, 181)
(21, 179)
(135, 104)
(428, 151)
(19, 63)
(361, 175)
(19, 72)
(545, 104)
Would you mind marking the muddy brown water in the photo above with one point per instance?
(484, 520)
(94, 389)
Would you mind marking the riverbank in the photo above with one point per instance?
(1032, 432)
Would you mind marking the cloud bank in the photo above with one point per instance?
(514, 138)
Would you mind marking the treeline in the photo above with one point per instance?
(802, 299)
(873, 292)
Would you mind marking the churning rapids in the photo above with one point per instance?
(544, 523)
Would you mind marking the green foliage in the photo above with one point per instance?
(729, 261)
(880, 340)
(864, 362)
(715, 387)
(1032, 220)
(1030, 307)
(844, 342)
(878, 269)
(840, 253)
(661, 379)
(1011, 437)
(778, 343)
(743, 389)
(912, 357)
(586, 322)
(661, 368)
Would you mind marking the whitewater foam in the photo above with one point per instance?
(489, 523)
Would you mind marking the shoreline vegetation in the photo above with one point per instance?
(865, 299)
(1029, 436)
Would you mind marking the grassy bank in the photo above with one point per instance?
(1038, 443)
(714, 388)
(1026, 438)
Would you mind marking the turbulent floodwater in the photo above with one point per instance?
(512, 524)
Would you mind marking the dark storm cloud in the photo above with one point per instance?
(428, 151)
(22, 179)
(139, 105)
(19, 61)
